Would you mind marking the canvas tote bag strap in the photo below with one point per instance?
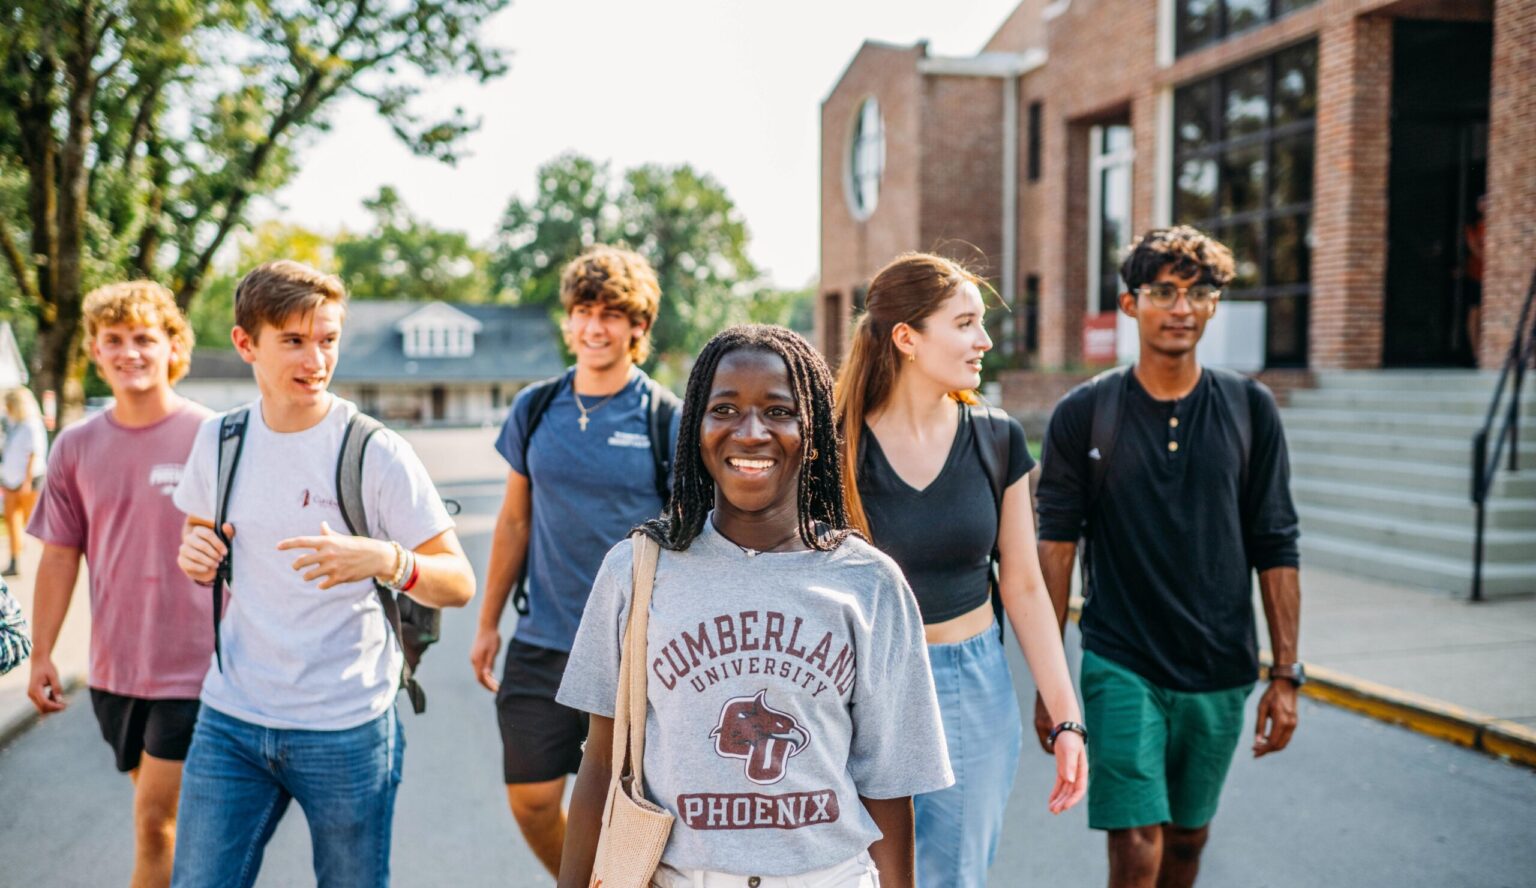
(629, 707)
(647, 553)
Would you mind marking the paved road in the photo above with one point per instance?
(1352, 803)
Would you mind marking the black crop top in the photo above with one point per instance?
(940, 536)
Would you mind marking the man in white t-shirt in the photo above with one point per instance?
(300, 704)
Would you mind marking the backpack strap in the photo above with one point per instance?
(663, 407)
(541, 395)
(349, 495)
(1234, 388)
(989, 432)
(231, 440)
(1108, 403)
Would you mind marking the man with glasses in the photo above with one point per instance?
(1176, 479)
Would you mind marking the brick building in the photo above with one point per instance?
(1340, 147)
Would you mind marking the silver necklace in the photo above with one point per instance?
(586, 411)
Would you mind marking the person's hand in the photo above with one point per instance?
(1071, 772)
(1277, 718)
(202, 551)
(482, 656)
(1043, 724)
(340, 558)
(44, 688)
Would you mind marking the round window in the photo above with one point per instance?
(866, 159)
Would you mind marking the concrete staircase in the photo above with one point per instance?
(1381, 474)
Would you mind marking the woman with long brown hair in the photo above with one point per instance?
(918, 485)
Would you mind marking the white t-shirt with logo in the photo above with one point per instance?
(296, 656)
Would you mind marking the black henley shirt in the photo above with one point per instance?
(1172, 540)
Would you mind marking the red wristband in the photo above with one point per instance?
(415, 572)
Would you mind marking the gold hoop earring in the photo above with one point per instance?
(814, 455)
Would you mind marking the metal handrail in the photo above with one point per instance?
(1522, 354)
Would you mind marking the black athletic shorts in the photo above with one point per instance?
(540, 739)
(133, 726)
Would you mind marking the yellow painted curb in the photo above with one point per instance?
(1426, 715)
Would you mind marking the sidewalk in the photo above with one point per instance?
(1439, 665)
(69, 653)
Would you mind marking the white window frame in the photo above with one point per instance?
(864, 150)
(1098, 163)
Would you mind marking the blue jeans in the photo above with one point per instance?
(238, 781)
(958, 828)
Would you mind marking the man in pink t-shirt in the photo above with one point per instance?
(108, 496)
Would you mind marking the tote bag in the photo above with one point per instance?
(634, 830)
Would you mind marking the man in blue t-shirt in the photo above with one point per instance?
(582, 475)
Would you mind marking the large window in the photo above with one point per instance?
(1200, 23)
(1243, 154)
(866, 159)
(1109, 221)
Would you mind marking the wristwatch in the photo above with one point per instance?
(1294, 673)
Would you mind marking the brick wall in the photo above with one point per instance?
(1511, 235)
(962, 163)
(851, 249)
(1349, 221)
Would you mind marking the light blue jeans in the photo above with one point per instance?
(958, 828)
(240, 777)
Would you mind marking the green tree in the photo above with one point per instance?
(690, 230)
(134, 133)
(214, 311)
(538, 237)
(682, 221)
(406, 258)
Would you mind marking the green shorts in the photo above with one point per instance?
(1155, 755)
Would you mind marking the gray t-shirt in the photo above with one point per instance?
(781, 687)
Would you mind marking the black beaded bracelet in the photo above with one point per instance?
(1074, 727)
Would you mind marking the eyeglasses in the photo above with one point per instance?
(1165, 295)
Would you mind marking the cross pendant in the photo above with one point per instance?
(582, 421)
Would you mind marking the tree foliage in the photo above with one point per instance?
(681, 220)
(134, 133)
(404, 257)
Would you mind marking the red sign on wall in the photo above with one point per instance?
(1099, 339)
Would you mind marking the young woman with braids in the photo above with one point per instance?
(917, 487)
(791, 714)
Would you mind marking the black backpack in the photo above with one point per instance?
(989, 430)
(416, 626)
(663, 406)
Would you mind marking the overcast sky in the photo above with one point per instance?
(732, 87)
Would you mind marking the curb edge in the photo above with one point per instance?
(1424, 715)
(19, 725)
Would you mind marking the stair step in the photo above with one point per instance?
(1393, 565)
(1434, 477)
(1412, 380)
(1457, 404)
(1413, 505)
(1381, 422)
(1452, 540)
(1445, 451)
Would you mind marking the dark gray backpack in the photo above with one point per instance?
(417, 626)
